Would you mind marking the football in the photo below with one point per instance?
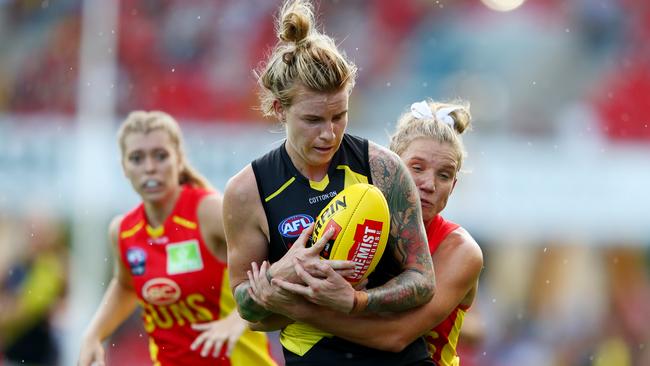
(361, 220)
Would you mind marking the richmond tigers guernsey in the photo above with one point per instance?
(443, 339)
(179, 282)
(292, 202)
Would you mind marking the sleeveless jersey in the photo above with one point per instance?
(292, 202)
(179, 283)
(443, 339)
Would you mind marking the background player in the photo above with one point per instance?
(170, 257)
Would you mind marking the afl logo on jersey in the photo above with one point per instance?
(292, 226)
(161, 291)
(137, 258)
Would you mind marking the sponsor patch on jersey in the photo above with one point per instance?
(161, 291)
(184, 257)
(137, 259)
(292, 226)
(322, 197)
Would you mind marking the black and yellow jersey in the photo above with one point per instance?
(292, 202)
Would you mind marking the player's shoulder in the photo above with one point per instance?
(241, 183)
(463, 242)
(241, 191)
(388, 171)
(380, 153)
(242, 205)
(114, 227)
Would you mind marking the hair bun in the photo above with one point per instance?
(462, 118)
(296, 22)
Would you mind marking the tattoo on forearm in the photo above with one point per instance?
(248, 308)
(407, 240)
(400, 293)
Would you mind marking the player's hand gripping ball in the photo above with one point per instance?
(361, 220)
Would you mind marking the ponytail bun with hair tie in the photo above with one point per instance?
(443, 115)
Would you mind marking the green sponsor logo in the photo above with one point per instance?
(184, 257)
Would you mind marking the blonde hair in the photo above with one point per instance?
(410, 128)
(302, 56)
(145, 122)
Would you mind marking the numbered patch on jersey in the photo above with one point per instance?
(184, 257)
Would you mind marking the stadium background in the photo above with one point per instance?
(555, 188)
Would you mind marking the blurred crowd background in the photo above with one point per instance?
(555, 188)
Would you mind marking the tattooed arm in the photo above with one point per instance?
(407, 241)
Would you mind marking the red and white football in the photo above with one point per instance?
(361, 220)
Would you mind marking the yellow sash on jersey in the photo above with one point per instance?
(300, 337)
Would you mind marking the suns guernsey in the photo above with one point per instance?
(292, 202)
(443, 339)
(179, 282)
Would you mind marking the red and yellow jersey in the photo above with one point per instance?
(179, 282)
(443, 339)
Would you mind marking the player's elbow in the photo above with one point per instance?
(249, 316)
(393, 342)
(396, 347)
(428, 288)
(399, 340)
(424, 285)
(431, 292)
(248, 309)
(259, 326)
(251, 313)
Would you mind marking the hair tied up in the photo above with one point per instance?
(296, 22)
(421, 110)
(444, 115)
